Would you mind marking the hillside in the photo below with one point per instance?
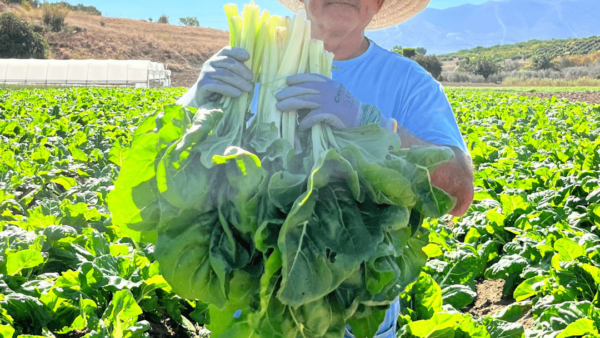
(524, 50)
(182, 49)
(448, 30)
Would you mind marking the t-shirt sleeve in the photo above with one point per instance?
(427, 113)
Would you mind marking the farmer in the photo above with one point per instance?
(409, 101)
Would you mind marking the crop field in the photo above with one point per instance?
(523, 262)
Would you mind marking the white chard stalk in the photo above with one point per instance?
(279, 47)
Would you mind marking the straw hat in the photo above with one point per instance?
(393, 12)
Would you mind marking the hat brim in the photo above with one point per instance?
(392, 13)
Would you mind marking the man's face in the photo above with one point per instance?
(341, 15)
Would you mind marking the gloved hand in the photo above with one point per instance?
(224, 74)
(329, 101)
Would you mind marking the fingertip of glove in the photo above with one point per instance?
(240, 54)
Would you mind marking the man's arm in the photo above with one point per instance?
(454, 177)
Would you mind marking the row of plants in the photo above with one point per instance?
(65, 269)
(534, 222)
(524, 50)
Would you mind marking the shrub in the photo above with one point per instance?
(422, 50)
(102, 23)
(409, 52)
(190, 21)
(81, 8)
(13, 1)
(511, 65)
(431, 64)
(462, 77)
(54, 15)
(18, 40)
(163, 19)
(35, 3)
(591, 71)
(481, 65)
(397, 49)
(564, 62)
(542, 62)
(581, 82)
(582, 60)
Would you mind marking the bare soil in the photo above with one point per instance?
(526, 321)
(489, 298)
(167, 328)
(185, 78)
(587, 97)
(96, 37)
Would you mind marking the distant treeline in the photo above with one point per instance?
(524, 50)
(80, 7)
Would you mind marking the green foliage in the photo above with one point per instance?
(535, 212)
(18, 40)
(64, 268)
(163, 19)
(431, 64)
(525, 50)
(224, 215)
(54, 15)
(543, 62)
(422, 50)
(190, 21)
(481, 65)
(67, 267)
(81, 8)
(409, 52)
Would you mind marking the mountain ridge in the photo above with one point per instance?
(467, 26)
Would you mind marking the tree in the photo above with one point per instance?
(422, 50)
(431, 64)
(397, 49)
(191, 21)
(18, 40)
(543, 62)
(163, 19)
(409, 52)
(481, 65)
(150, 19)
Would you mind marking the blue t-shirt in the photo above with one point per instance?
(401, 89)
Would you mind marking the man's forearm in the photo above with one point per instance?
(454, 177)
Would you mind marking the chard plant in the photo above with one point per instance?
(281, 232)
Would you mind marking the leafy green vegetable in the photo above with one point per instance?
(536, 197)
(341, 209)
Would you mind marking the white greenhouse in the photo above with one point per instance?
(139, 73)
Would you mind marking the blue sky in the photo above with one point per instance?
(209, 12)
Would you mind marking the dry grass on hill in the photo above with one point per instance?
(183, 49)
